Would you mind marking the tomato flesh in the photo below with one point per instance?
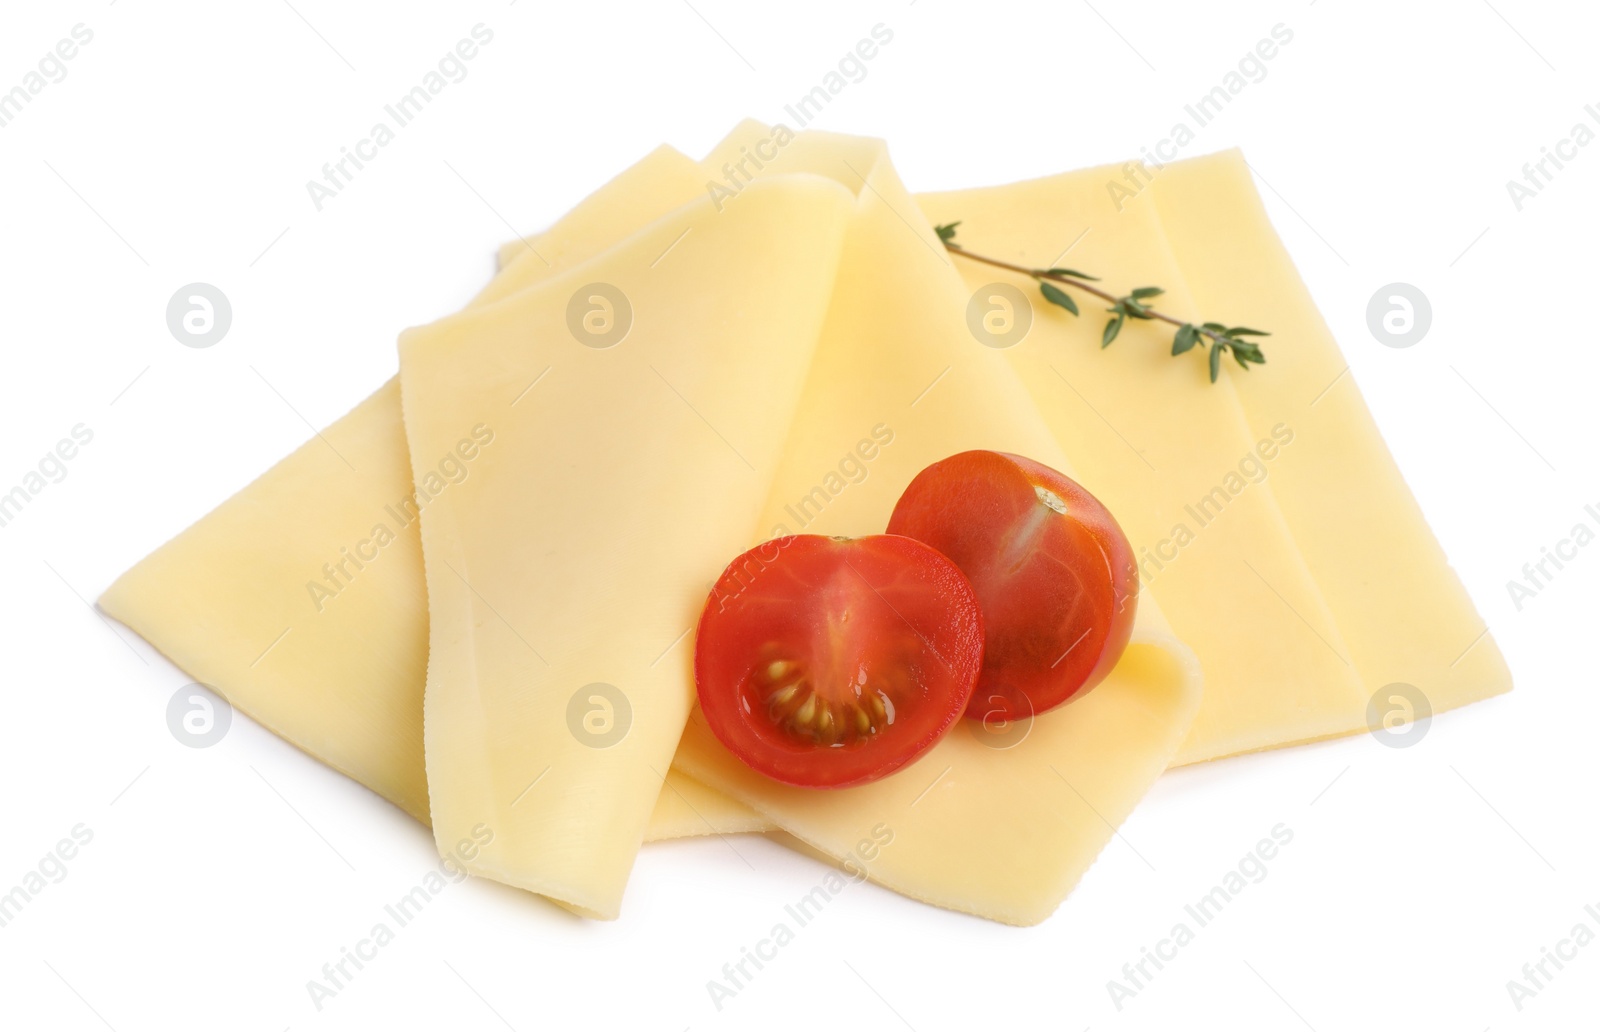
(831, 662)
(1054, 574)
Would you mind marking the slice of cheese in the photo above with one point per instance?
(647, 190)
(1199, 231)
(565, 570)
(981, 826)
(686, 808)
(301, 601)
(1402, 614)
(1000, 825)
(1156, 441)
(301, 598)
(1270, 520)
(342, 681)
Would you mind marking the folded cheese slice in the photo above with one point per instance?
(1001, 822)
(1269, 518)
(301, 598)
(622, 421)
(228, 601)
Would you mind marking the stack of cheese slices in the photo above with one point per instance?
(576, 502)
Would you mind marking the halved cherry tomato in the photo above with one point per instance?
(830, 662)
(1053, 572)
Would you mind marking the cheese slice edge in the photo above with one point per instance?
(595, 487)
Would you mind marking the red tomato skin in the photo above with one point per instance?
(747, 608)
(1053, 632)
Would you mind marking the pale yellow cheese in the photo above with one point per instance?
(345, 683)
(1270, 520)
(1286, 527)
(686, 808)
(1401, 612)
(241, 602)
(573, 560)
(1000, 832)
(643, 192)
(1004, 833)
(269, 600)
(1152, 439)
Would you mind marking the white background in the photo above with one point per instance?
(219, 881)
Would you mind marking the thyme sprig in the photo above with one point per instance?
(1217, 338)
